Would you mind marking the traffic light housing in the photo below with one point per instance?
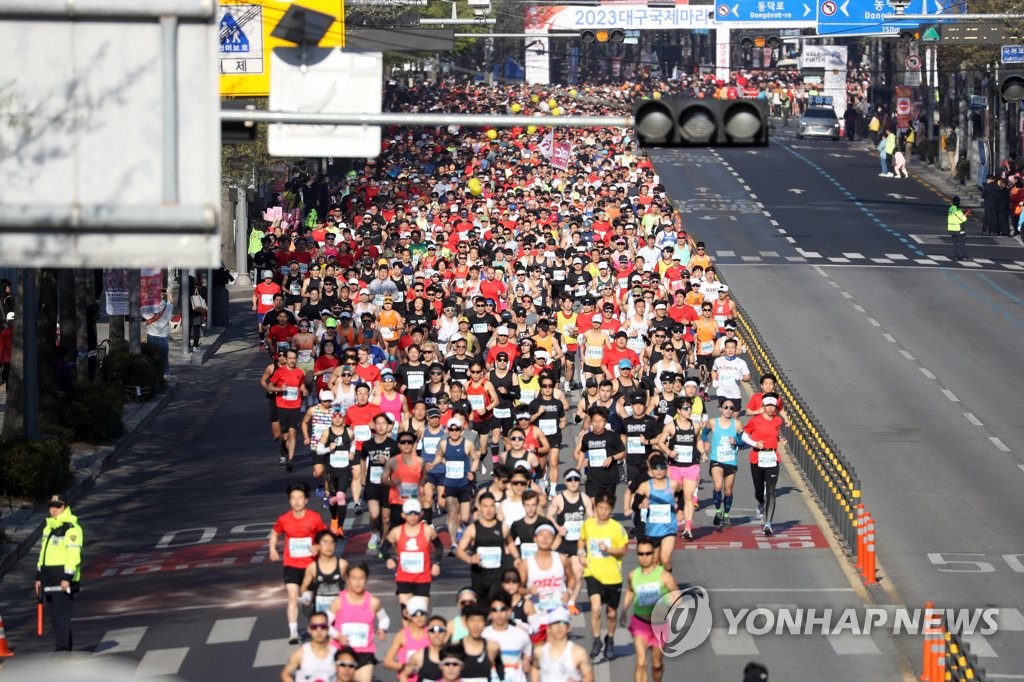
(907, 37)
(769, 40)
(1011, 84)
(603, 35)
(693, 122)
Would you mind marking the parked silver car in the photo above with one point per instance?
(818, 122)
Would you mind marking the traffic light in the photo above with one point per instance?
(907, 37)
(749, 40)
(692, 122)
(602, 35)
(1011, 84)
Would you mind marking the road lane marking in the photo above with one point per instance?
(1000, 445)
(231, 630)
(271, 652)
(1011, 620)
(980, 646)
(889, 337)
(834, 259)
(740, 643)
(853, 645)
(926, 372)
(859, 308)
(873, 322)
(121, 641)
(906, 354)
(834, 284)
(769, 254)
(790, 240)
(167, 661)
(812, 254)
(853, 255)
(730, 254)
(896, 256)
(846, 294)
(971, 418)
(950, 395)
(881, 261)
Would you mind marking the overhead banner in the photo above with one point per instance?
(627, 17)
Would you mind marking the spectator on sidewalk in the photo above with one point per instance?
(6, 344)
(949, 146)
(963, 169)
(158, 329)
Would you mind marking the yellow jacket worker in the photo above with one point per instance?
(59, 568)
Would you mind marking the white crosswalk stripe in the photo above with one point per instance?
(121, 641)
(162, 662)
(272, 652)
(231, 630)
(848, 644)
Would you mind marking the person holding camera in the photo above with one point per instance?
(158, 329)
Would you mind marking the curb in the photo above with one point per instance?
(29, 530)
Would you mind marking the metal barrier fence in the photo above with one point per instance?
(833, 479)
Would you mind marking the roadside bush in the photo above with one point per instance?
(131, 369)
(92, 412)
(34, 468)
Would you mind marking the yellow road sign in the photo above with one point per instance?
(246, 40)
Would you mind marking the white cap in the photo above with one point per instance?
(724, 287)
(10, 316)
(326, 395)
(502, 331)
(559, 614)
(770, 401)
(364, 291)
(416, 603)
(412, 506)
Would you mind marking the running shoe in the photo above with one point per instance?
(725, 519)
(293, 639)
(290, 466)
(595, 651)
(609, 648)
(282, 461)
(760, 512)
(768, 530)
(334, 526)
(687, 534)
(374, 542)
(718, 519)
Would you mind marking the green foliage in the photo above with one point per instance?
(34, 468)
(92, 412)
(130, 369)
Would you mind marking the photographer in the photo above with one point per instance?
(158, 328)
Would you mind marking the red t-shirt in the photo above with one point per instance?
(299, 534)
(761, 429)
(291, 380)
(510, 348)
(358, 418)
(265, 296)
(279, 334)
(614, 354)
(755, 402)
(368, 373)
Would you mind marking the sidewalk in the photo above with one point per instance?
(23, 526)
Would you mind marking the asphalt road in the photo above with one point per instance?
(178, 581)
(908, 359)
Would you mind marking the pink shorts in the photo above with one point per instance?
(679, 474)
(644, 631)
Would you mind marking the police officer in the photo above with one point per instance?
(59, 568)
(955, 220)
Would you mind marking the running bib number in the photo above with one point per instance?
(659, 514)
(720, 320)
(595, 550)
(300, 548)
(526, 396)
(295, 288)
(597, 457)
(480, 328)
(490, 557)
(411, 562)
(430, 444)
(503, 412)
(684, 454)
(634, 445)
(339, 459)
(548, 427)
(594, 353)
(407, 491)
(376, 474)
(726, 453)
(727, 374)
(414, 381)
(357, 634)
(528, 550)
(387, 333)
(766, 459)
(454, 469)
(476, 401)
(323, 604)
(305, 355)
(362, 433)
(707, 347)
(291, 393)
(266, 299)
(572, 529)
(647, 594)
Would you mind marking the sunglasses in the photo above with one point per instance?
(467, 602)
(406, 442)
(418, 613)
(510, 580)
(454, 428)
(518, 482)
(547, 385)
(451, 664)
(644, 553)
(517, 439)
(348, 665)
(499, 609)
(437, 630)
(728, 407)
(574, 479)
(317, 626)
(475, 371)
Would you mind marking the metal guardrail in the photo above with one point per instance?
(833, 479)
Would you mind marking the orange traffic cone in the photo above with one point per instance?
(5, 651)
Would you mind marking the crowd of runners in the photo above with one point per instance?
(495, 362)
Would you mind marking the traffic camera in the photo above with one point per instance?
(692, 122)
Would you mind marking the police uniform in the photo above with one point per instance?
(60, 559)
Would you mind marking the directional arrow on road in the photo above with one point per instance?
(708, 217)
(701, 189)
(842, 8)
(842, 156)
(807, 9)
(796, 191)
(895, 196)
(751, 151)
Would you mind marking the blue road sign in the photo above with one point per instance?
(232, 37)
(1013, 54)
(762, 12)
(861, 17)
